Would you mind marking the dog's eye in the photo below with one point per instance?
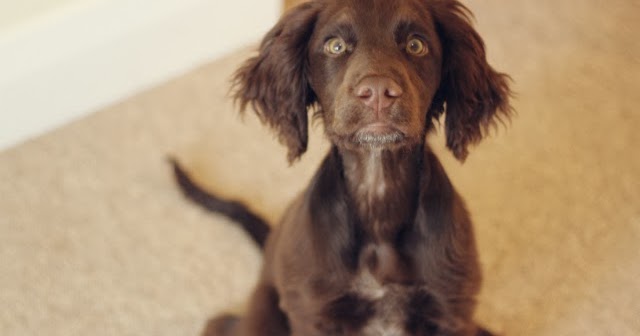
(417, 47)
(335, 46)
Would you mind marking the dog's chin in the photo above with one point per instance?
(379, 135)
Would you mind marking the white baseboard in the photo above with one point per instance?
(90, 54)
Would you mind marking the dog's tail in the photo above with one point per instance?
(253, 224)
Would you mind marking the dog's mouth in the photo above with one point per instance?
(378, 134)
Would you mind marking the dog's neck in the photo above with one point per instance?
(383, 186)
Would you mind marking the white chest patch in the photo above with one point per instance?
(390, 299)
(389, 318)
(373, 183)
(379, 327)
(366, 285)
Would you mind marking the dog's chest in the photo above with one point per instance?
(379, 283)
(380, 298)
(388, 305)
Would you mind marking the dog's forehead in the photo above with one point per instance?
(374, 14)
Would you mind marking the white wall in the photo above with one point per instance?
(71, 59)
(15, 12)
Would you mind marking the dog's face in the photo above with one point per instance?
(374, 67)
(379, 71)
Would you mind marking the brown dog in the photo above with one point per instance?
(380, 243)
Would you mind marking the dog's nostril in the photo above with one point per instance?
(364, 92)
(393, 91)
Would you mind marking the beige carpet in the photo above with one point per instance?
(96, 240)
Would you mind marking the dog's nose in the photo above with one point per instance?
(378, 92)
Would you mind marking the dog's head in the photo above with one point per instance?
(380, 72)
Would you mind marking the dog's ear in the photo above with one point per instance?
(472, 94)
(275, 82)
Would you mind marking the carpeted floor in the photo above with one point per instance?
(95, 239)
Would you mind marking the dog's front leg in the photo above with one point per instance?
(264, 317)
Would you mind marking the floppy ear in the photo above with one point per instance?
(471, 92)
(275, 82)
